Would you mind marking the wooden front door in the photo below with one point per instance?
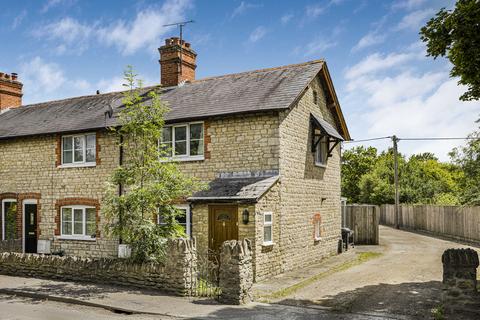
(223, 225)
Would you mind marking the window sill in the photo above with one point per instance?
(268, 244)
(76, 238)
(317, 239)
(185, 159)
(78, 165)
(320, 165)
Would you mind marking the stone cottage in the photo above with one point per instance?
(266, 141)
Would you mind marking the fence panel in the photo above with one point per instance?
(462, 223)
(363, 220)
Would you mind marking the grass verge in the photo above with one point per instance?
(360, 258)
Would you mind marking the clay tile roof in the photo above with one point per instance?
(259, 90)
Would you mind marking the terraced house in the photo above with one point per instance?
(266, 141)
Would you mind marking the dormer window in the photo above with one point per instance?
(315, 97)
(324, 139)
(183, 142)
(79, 150)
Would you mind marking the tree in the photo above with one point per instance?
(355, 163)
(468, 158)
(152, 184)
(456, 34)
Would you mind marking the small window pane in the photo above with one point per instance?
(166, 149)
(67, 221)
(267, 233)
(180, 133)
(78, 156)
(67, 143)
(10, 214)
(182, 217)
(268, 218)
(181, 148)
(196, 131)
(91, 222)
(90, 155)
(67, 156)
(196, 147)
(91, 141)
(78, 221)
(167, 134)
(78, 143)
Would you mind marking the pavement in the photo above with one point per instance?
(402, 283)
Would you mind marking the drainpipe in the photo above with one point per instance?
(120, 187)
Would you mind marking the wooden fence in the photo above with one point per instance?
(363, 220)
(462, 223)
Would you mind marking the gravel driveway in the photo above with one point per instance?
(404, 282)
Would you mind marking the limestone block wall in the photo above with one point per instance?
(28, 169)
(176, 275)
(236, 144)
(267, 259)
(306, 189)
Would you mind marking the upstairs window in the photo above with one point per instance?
(79, 149)
(321, 152)
(183, 141)
(315, 97)
(79, 222)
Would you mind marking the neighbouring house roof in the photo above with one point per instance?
(248, 189)
(253, 91)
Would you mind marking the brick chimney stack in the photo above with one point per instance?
(177, 62)
(10, 91)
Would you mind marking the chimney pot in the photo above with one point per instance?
(10, 91)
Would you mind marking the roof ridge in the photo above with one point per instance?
(263, 70)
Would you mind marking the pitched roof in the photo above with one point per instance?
(240, 189)
(259, 90)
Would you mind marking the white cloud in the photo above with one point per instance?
(242, 8)
(257, 34)
(19, 19)
(377, 62)
(318, 46)
(39, 76)
(407, 4)
(368, 40)
(286, 18)
(315, 10)
(54, 3)
(389, 94)
(414, 20)
(144, 31)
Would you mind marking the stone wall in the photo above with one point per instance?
(307, 190)
(236, 272)
(460, 281)
(175, 276)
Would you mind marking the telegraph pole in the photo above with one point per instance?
(395, 177)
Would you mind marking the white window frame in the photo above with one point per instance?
(83, 163)
(72, 236)
(185, 207)
(318, 149)
(187, 156)
(268, 224)
(3, 214)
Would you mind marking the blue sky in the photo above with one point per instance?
(385, 84)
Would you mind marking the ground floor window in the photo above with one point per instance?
(79, 222)
(184, 219)
(267, 228)
(9, 219)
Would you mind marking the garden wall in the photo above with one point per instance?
(176, 275)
